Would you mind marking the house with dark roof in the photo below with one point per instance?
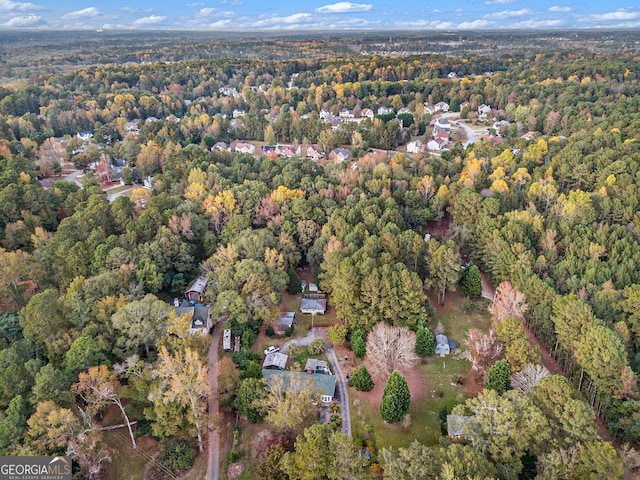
(322, 385)
(442, 345)
(200, 317)
(287, 320)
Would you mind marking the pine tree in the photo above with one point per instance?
(295, 286)
(396, 398)
(471, 283)
(358, 344)
(499, 377)
(424, 342)
(361, 380)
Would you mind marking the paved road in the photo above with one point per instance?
(471, 134)
(213, 464)
(342, 389)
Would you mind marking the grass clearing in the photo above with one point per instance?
(443, 384)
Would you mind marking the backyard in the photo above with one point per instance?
(436, 384)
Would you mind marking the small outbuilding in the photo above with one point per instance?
(275, 361)
(314, 365)
(226, 340)
(196, 290)
(455, 425)
(442, 345)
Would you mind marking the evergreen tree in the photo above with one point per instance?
(295, 286)
(500, 377)
(424, 342)
(358, 344)
(471, 283)
(396, 398)
(361, 380)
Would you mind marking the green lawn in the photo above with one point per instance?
(440, 389)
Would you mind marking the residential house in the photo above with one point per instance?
(237, 113)
(483, 111)
(430, 109)
(286, 320)
(442, 345)
(287, 151)
(200, 317)
(455, 425)
(196, 290)
(313, 304)
(403, 110)
(85, 136)
(452, 75)
(441, 107)
(345, 113)
(528, 135)
(314, 153)
(339, 155)
(326, 115)
(221, 147)
(323, 385)
(243, 147)
(500, 126)
(384, 110)
(275, 361)
(436, 144)
(132, 127)
(367, 113)
(443, 124)
(415, 146)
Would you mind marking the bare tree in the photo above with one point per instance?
(508, 303)
(529, 377)
(391, 348)
(481, 349)
(98, 387)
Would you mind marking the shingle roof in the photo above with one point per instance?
(324, 384)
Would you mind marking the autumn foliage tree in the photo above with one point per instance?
(509, 303)
(482, 349)
(184, 380)
(98, 387)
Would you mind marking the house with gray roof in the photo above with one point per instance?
(275, 361)
(322, 385)
(313, 304)
(200, 316)
(196, 289)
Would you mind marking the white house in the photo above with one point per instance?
(416, 146)
(442, 345)
(367, 113)
(243, 147)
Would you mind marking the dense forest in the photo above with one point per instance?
(552, 217)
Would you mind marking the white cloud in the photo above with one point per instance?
(548, 23)
(276, 20)
(150, 20)
(427, 24)
(556, 8)
(90, 12)
(499, 2)
(612, 16)
(345, 7)
(23, 21)
(232, 2)
(206, 11)
(509, 13)
(194, 4)
(18, 6)
(475, 25)
(220, 24)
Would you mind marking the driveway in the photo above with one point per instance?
(213, 462)
(341, 385)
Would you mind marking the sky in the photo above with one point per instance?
(319, 15)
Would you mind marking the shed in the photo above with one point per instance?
(455, 425)
(442, 345)
(313, 288)
(453, 346)
(275, 361)
(287, 319)
(314, 365)
(196, 289)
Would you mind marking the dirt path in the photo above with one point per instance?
(213, 464)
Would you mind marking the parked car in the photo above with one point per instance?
(271, 349)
